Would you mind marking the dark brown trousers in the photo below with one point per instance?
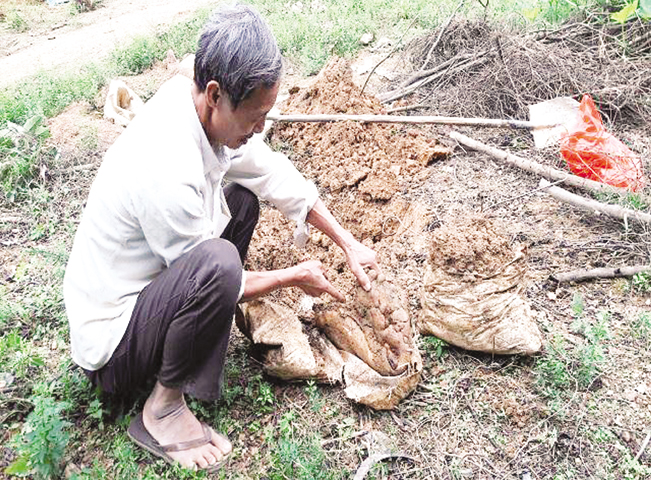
(181, 324)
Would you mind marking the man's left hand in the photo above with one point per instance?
(358, 257)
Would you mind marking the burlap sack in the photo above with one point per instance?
(488, 315)
(122, 104)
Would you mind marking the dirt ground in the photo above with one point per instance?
(61, 40)
(394, 187)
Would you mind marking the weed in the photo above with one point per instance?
(17, 355)
(24, 151)
(299, 455)
(312, 392)
(435, 346)
(262, 394)
(553, 369)
(641, 282)
(561, 369)
(641, 327)
(43, 439)
(592, 355)
(16, 22)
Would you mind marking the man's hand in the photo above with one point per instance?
(308, 276)
(312, 280)
(359, 256)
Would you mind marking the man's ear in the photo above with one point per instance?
(213, 93)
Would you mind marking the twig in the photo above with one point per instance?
(405, 108)
(388, 55)
(533, 167)
(580, 275)
(595, 206)
(455, 61)
(403, 92)
(367, 464)
(645, 443)
(443, 29)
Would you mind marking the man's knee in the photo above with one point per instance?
(220, 264)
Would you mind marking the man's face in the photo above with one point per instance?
(233, 128)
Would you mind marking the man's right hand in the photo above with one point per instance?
(309, 276)
(312, 280)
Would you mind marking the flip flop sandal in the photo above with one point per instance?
(141, 437)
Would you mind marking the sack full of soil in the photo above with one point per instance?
(472, 294)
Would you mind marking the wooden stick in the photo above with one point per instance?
(483, 122)
(580, 275)
(592, 205)
(537, 168)
(438, 38)
(644, 445)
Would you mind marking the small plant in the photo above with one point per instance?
(16, 22)
(44, 438)
(553, 369)
(641, 327)
(312, 392)
(641, 282)
(299, 454)
(592, 355)
(23, 151)
(17, 355)
(435, 346)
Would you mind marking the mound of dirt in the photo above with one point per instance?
(471, 247)
(374, 157)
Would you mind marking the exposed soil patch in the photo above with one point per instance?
(64, 41)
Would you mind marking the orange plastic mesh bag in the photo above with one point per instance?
(591, 152)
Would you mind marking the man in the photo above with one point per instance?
(155, 272)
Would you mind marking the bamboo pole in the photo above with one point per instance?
(485, 122)
(534, 167)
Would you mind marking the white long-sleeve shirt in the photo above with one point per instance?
(158, 194)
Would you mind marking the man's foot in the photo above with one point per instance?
(168, 419)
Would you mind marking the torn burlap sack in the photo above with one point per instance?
(368, 344)
(122, 104)
(483, 314)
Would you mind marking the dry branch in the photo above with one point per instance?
(452, 70)
(644, 445)
(592, 205)
(533, 167)
(581, 275)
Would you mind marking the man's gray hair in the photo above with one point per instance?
(238, 50)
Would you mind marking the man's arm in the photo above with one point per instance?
(308, 276)
(358, 255)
